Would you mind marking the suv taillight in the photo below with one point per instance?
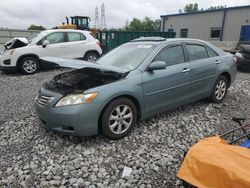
(235, 60)
(99, 44)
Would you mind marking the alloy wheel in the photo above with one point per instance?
(30, 66)
(220, 90)
(120, 119)
(92, 58)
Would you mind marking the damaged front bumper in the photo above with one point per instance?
(6, 64)
(77, 120)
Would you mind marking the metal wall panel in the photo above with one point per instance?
(234, 20)
(198, 25)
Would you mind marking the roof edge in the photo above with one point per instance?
(205, 11)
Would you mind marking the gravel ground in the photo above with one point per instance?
(32, 157)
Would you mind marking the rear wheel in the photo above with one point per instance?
(119, 118)
(91, 57)
(219, 90)
(29, 65)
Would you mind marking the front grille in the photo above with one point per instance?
(44, 100)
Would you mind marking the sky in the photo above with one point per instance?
(20, 14)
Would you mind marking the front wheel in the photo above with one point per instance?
(219, 90)
(119, 118)
(29, 65)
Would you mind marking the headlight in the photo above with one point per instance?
(74, 99)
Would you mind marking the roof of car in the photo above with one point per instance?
(152, 39)
(66, 30)
(161, 39)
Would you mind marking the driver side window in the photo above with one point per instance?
(53, 38)
(57, 37)
(171, 55)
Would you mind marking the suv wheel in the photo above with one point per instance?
(29, 65)
(219, 90)
(91, 57)
(119, 118)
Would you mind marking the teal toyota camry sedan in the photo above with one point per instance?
(132, 82)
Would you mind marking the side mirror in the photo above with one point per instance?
(157, 65)
(45, 43)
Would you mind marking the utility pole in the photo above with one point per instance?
(96, 18)
(103, 19)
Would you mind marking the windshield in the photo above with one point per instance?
(30, 39)
(127, 56)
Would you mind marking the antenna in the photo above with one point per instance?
(96, 18)
(103, 19)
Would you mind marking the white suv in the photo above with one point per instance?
(23, 54)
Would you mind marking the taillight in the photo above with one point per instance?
(235, 60)
(99, 44)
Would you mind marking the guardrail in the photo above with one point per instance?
(7, 34)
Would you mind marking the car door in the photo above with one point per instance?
(168, 88)
(56, 46)
(75, 45)
(202, 70)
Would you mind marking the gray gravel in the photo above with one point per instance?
(32, 157)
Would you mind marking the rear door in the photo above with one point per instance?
(75, 45)
(164, 89)
(56, 47)
(202, 69)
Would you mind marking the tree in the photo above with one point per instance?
(135, 25)
(191, 8)
(195, 7)
(217, 7)
(147, 24)
(36, 27)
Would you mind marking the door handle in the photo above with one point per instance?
(185, 70)
(217, 62)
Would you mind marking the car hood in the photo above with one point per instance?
(16, 42)
(85, 76)
(79, 64)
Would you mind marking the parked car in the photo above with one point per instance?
(243, 57)
(132, 82)
(23, 55)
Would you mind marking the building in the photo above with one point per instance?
(227, 24)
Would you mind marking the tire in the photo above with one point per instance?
(115, 127)
(220, 90)
(91, 57)
(29, 65)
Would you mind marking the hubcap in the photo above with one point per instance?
(120, 119)
(30, 66)
(92, 58)
(220, 89)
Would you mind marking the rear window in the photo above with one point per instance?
(196, 51)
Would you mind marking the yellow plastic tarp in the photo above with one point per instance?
(215, 164)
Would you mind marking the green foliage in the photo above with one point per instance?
(191, 8)
(217, 7)
(195, 7)
(36, 27)
(146, 24)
